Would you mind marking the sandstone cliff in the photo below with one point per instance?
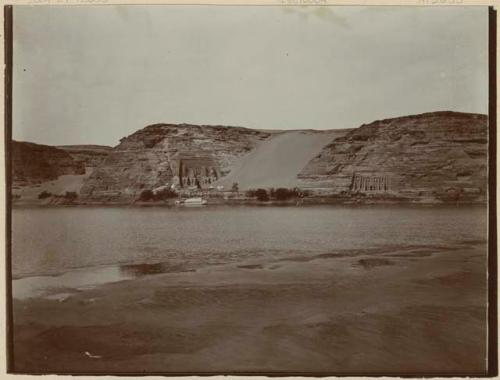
(90, 156)
(439, 156)
(34, 163)
(432, 157)
(164, 154)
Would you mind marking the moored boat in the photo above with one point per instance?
(198, 201)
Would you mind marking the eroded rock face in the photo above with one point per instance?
(164, 154)
(440, 156)
(35, 163)
(433, 157)
(90, 156)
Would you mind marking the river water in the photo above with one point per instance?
(49, 241)
(56, 249)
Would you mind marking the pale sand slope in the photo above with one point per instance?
(277, 161)
(69, 182)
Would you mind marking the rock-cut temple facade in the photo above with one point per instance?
(198, 171)
(371, 183)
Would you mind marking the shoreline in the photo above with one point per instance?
(308, 256)
(237, 203)
(313, 313)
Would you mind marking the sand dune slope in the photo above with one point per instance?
(68, 182)
(277, 161)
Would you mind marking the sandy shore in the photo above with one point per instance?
(393, 310)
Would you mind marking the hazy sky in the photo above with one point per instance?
(96, 74)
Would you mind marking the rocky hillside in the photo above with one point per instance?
(164, 154)
(439, 156)
(34, 163)
(432, 157)
(90, 156)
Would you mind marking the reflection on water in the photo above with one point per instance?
(138, 270)
(56, 287)
(74, 280)
(115, 244)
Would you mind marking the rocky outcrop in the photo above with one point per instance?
(34, 163)
(432, 157)
(90, 156)
(439, 156)
(165, 154)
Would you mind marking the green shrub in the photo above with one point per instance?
(282, 194)
(149, 195)
(146, 195)
(44, 194)
(261, 195)
(70, 195)
(164, 194)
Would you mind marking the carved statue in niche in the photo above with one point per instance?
(199, 171)
(364, 183)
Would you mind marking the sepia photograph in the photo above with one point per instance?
(251, 190)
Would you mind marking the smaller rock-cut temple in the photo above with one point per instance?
(369, 183)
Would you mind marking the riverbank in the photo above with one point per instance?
(244, 202)
(399, 309)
